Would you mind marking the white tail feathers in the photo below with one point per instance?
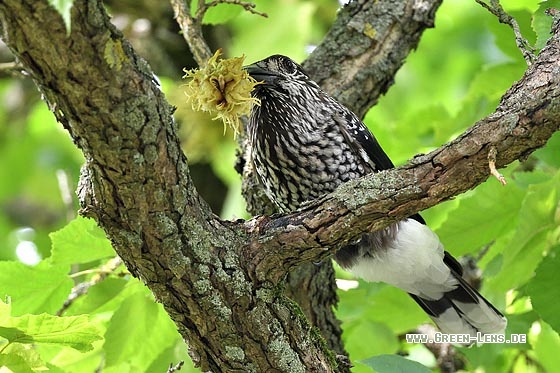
(410, 256)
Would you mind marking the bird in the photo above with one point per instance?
(304, 144)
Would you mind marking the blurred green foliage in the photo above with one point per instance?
(456, 76)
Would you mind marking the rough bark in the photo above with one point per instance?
(221, 281)
(136, 184)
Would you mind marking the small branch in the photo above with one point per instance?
(192, 31)
(83, 287)
(496, 9)
(250, 7)
(492, 165)
(192, 26)
(12, 69)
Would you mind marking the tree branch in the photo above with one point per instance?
(192, 25)
(248, 6)
(192, 31)
(496, 9)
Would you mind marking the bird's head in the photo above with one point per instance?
(279, 74)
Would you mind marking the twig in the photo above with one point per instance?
(192, 31)
(83, 287)
(12, 69)
(496, 9)
(492, 165)
(192, 26)
(250, 7)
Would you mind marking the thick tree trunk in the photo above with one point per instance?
(221, 282)
(136, 184)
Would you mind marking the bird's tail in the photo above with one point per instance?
(463, 311)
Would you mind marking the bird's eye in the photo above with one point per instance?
(289, 66)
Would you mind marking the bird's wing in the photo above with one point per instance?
(362, 142)
(365, 146)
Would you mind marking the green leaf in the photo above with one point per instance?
(525, 179)
(394, 364)
(80, 241)
(520, 324)
(542, 22)
(543, 289)
(14, 334)
(72, 331)
(14, 363)
(65, 360)
(105, 296)
(5, 312)
(396, 309)
(365, 338)
(486, 214)
(523, 252)
(489, 356)
(42, 288)
(492, 81)
(512, 5)
(28, 353)
(174, 353)
(423, 138)
(546, 346)
(518, 266)
(221, 14)
(63, 7)
(138, 331)
(550, 154)
(419, 353)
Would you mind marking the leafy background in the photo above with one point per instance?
(457, 75)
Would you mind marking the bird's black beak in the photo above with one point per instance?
(260, 74)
